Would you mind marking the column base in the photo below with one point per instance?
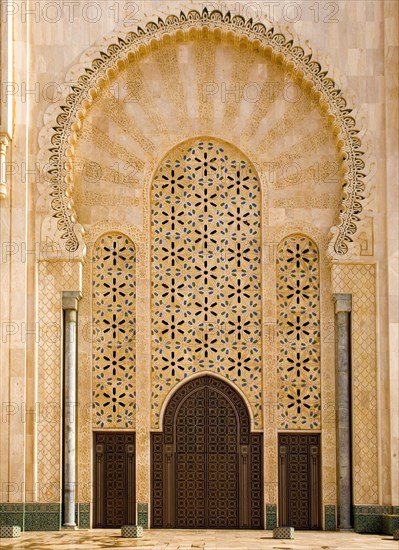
(69, 526)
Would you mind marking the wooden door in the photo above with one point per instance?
(207, 466)
(206, 462)
(114, 479)
(299, 481)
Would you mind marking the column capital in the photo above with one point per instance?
(70, 299)
(343, 302)
(4, 143)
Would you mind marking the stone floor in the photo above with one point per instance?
(206, 540)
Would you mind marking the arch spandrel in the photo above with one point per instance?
(106, 66)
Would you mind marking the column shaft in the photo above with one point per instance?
(70, 306)
(343, 397)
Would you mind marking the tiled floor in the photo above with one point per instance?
(205, 540)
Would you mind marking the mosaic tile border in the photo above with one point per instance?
(271, 516)
(330, 517)
(389, 523)
(12, 514)
(48, 517)
(370, 519)
(41, 517)
(82, 515)
(142, 514)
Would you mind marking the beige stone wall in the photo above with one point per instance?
(118, 148)
(389, 378)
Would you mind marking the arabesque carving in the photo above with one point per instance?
(108, 62)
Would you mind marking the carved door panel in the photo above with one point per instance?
(299, 480)
(206, 468)
(114, 478)
(222, 468)
(190, 462)
(206, 463)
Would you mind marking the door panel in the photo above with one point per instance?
(114, 478)
(299, 481)
(206, 462)
(222, 468)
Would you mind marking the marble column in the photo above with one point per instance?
(343, 308)
(70, 300)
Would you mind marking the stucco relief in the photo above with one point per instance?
(53, 278)
(98, 71)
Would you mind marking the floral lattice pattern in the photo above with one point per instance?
(298, 332)
(206, 300)
(114, 332)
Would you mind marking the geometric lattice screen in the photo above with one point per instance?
(206, 292)
(298, 333)
(114, 332)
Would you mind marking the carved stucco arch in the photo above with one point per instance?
(101, 67)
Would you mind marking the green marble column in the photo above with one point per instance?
(343, 308)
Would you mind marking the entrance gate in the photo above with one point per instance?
(206, 465)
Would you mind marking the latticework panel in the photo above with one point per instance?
(114, 334)
(53, 277)
(206, 301)
(359, 280)
(298, 332)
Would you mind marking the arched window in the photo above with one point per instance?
(298, 333)
(206, 299)
(114, 332)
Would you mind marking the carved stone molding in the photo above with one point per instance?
(101, 67)
(4, 143)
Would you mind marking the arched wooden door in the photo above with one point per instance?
(206, 465)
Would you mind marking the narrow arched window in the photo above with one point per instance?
(114, 332)
(298, 333)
